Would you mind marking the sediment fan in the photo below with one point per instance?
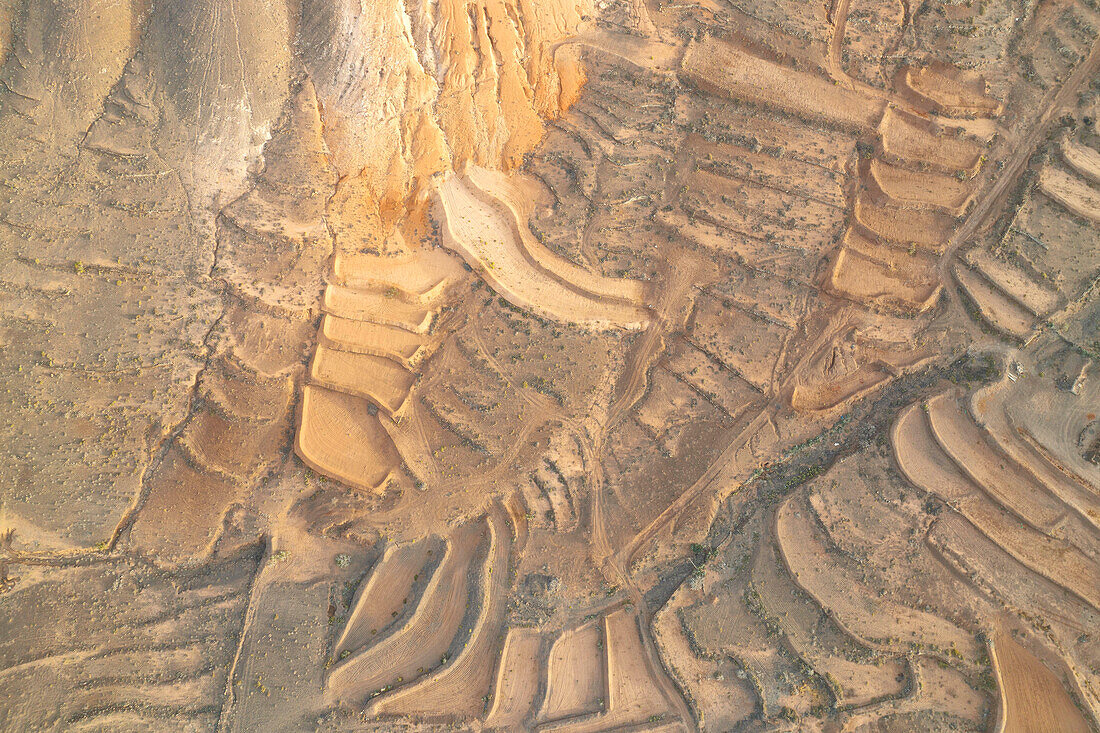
(549, 365)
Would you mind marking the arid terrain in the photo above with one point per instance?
(556, 365)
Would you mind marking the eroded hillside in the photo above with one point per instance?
(538, 364)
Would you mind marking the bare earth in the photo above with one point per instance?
(556, 365)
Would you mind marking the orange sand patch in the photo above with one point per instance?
(337, 436)
(1032, 698)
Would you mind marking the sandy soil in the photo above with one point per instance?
(545, 365)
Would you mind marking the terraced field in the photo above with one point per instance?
(557, 366)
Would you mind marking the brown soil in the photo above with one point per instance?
(542, 365)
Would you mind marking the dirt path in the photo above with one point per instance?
(682, 277)
(839, 17)
(626, 556)
(227, 719)
(675, 299)
(714, 475)
(616, 564)
(988, 203)
(618, 573)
